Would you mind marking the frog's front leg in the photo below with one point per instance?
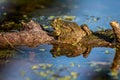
(56, 33)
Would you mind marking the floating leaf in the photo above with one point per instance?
(28, 78)
(44, 66)
(49, 72)
(43, 74)
(25, 16)
(51, 17)
(74, 75)
(107, 51)
(96, 19)
(49, 65)
(52, 78)
(22, 73)
(78, 65)
(93, 64)
(72, 64)
(42, 49)
(67, 78)
(4, 13)
(36, 72)
(35, 67)
(45, 27)
(69, 17)
(113, 73)
(98, 69)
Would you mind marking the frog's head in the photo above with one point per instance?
(61, 26)
(56, 25)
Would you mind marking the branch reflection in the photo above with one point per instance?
(63, 49)
(116, 61)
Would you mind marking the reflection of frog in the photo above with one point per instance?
(69, 32)
(69, 50)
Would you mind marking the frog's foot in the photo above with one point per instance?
(86, 29)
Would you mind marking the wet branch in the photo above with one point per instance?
(30, 35)
(33, 35)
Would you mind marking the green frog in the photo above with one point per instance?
(69, 32)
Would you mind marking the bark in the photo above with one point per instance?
(108, 38)
(116, 28)
(30, 35)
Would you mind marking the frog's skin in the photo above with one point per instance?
(69, 32)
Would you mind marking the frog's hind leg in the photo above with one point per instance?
(86, 29)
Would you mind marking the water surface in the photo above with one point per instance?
(38, 63)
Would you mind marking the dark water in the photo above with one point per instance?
(39, 64)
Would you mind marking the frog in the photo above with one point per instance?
(69, 32)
